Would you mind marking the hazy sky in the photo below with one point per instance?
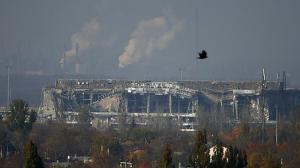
(140, 39)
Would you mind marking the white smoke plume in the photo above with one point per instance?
(151, 35)
(82, 39)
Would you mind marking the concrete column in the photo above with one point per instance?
(135, 104)
(126, 105)
(91, 98)
(258, 103)
(233, 106)
(236, 110)
(107, 122)
(156, 105)
(193, 106)
(170, 103)
(178, 105)
(148, 103)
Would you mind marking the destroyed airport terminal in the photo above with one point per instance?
(182, 101)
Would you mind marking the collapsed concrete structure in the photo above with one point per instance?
(181, 101)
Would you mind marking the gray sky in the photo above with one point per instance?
(141, 39)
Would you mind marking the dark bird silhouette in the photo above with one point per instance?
(202, 55)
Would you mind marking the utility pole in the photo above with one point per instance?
(1, 152)
(263, 117)
(277, 106)
(7, 152)
(222, 121)
(280, 100)
(8, 87)
(181, 73)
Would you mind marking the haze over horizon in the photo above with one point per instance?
(151, 39)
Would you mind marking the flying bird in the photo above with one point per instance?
(202, 55)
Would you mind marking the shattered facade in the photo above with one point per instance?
(107, 100)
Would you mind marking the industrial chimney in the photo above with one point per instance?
(77, 64)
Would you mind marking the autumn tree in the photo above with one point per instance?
(74, 141)
(84, 117)
(102, 157)
(241, 159)
(20, 121)
(3, 133)
(109, 141)
(20, 118)
(264, 159)
(244, 132)
(199, 156)
(166, 160)
(31, 156)
(231, 157)
(235, 158)
(217, 159)
(295, 124)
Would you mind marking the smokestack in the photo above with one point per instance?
(80, 41)
(77, 68)
(62, 62)
(263, 74)
(76, 49)
(8, 87)
(77, 64)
